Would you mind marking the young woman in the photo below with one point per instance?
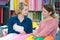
(19, 24)
(48, 26)
(20, 20)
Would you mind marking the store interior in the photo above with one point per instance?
(7, 10)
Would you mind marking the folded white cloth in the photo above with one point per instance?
(18, 28)
(9, 36)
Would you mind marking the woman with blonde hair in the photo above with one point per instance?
(20, 21)
(19, 24)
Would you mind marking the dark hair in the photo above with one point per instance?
(50, 8)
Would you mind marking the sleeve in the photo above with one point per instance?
(10, 24)
(30, 29)
(48, 28)
(39, 28)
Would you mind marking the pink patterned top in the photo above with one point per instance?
(47, 28)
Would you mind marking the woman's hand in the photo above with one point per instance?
(35, 35)
(22, 32)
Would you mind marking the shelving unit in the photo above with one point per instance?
(4, 12)
(4, 15)
(35, 16)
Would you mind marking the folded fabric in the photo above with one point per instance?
(9, 36)
(20, 37)
(49, 38)
(34, 24)
(38, 38)
(30, 37)
(18, 28)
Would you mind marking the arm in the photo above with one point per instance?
(48, 29)
(37, 30)
(10, 24)
(30, 27)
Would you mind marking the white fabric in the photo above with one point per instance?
(18, 28)
(11, 4)
(9, 36)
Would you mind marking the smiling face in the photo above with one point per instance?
(48, 10)
(25, 11)
(45, 13)
(22, 9)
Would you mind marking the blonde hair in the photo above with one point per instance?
(19, 8)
